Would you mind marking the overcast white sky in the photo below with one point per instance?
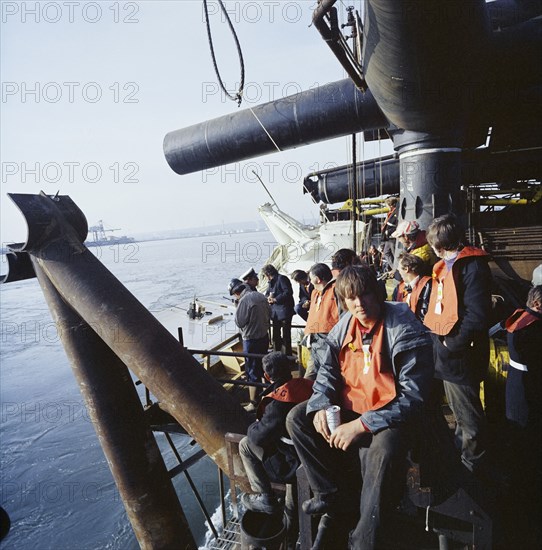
(89, 90)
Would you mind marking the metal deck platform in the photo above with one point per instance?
(230, 537)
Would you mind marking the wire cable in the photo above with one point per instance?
(239, 95)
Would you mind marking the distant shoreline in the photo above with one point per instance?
(151, 238)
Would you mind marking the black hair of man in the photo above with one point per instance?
(321, 271)
(278, 366)
(299, 276)
(412, 263)
(344, 257)
(270, 270)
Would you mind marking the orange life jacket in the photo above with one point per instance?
(443, 314)
(295, 390)
(369, 383)
(323, 311)
(519, 320)
(403, 295)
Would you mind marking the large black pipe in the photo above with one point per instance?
(334, 110)
(424, 60)
(381, 176)
(429, 184)
(375, 177)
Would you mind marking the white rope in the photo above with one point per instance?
(265, 130)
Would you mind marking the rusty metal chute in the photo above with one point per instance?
(192, 396)
(106, 331)
(117, 415)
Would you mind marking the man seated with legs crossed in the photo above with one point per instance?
(377, 366)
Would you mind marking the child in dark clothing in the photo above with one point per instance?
(267, 453)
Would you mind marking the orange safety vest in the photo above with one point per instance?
(402, 294)
(369, 383)
(295, 390)
(323, 312)
(442, 314)
(519, 320)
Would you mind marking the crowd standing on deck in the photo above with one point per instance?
(384, 364)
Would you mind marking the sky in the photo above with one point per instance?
(90, 89)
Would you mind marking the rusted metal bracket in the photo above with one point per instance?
(106, 329)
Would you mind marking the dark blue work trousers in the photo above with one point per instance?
(379, 459)
(253, 365)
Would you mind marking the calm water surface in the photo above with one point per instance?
(54, 481)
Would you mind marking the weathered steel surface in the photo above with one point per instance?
(116, 412)
(189, 393)
(424, 63)
(19, 267)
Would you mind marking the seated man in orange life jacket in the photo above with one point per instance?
(378, 367)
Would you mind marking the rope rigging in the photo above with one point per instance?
(239, 95)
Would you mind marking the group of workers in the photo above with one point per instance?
(383, 364)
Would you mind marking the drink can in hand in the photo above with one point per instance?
(333, 416)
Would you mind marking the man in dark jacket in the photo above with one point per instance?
(305, 290)
(267, 453)
(458, 314)
(281, 298)
(388, 227)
